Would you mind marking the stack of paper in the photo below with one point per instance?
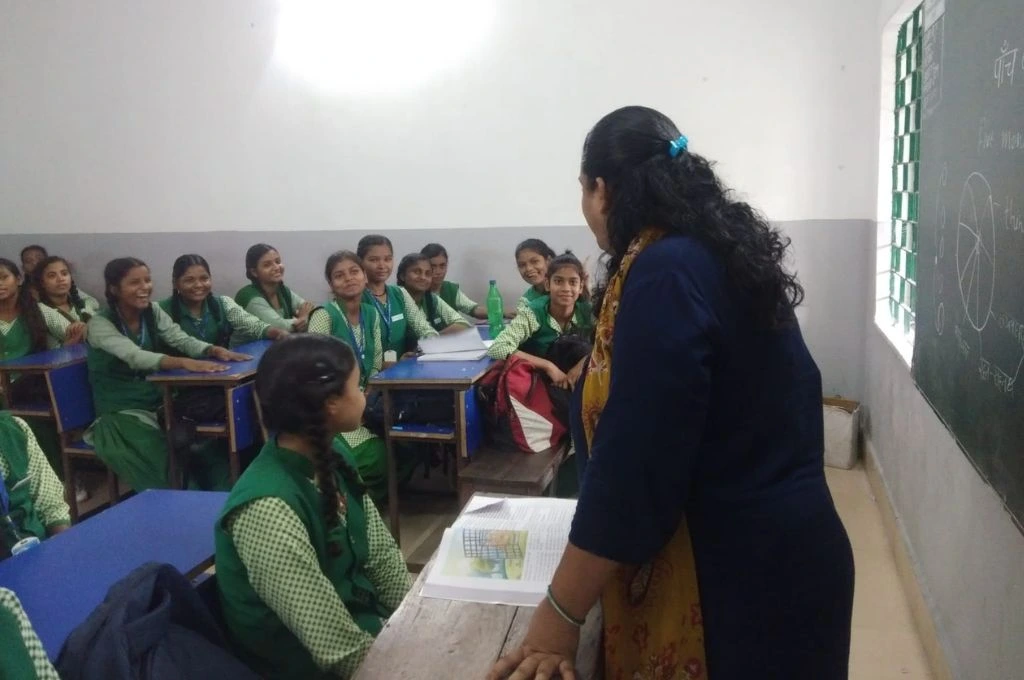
(464, 346)
(501, 551)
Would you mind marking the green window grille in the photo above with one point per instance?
(906, 164)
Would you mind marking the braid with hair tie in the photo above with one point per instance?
(325, 464)
(77, 302)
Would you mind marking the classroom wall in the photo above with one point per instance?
(157, 128)
(966, 550)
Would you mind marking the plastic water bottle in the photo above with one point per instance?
(495, 310)
(17, 541)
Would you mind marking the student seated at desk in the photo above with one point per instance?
(26, 327)
(358, 325)
(32, 496)
(414, 276)
(267, 298)
(23, 657)
(124, 343)
(537, 325)
(532, 258)
(216, 319)
(55, 288)
(31, 256)
(403, 321)
(449, 291)
(306, 569)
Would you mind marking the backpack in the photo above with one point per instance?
(519, 411)
(152, 625)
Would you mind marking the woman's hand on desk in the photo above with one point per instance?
(548, 651)
(222, 354)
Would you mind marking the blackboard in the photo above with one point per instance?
(969, 333)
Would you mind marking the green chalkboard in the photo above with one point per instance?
(969, 337)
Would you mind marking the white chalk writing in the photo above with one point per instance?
(964, 347)
(1003, 382)
(986, 136)
(1005, 65)
(1012, 140)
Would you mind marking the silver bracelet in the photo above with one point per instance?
(564, 614)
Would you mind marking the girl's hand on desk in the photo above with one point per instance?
(199, 366)
(548, 651)
(222, 354)
(277, 333)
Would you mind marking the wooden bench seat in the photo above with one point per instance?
(498, 471)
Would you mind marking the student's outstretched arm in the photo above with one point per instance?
(453, 321)
(415, 317)
(283, 570)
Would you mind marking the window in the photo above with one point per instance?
(902, 295)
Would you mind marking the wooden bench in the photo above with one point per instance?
(502, 472)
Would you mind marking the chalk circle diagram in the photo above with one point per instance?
(976, 250)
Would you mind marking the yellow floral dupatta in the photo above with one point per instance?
(652, 621)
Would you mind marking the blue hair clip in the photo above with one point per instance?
(677, 146)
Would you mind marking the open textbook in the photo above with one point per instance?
(501, 551)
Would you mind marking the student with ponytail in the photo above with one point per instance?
(403, 322)
(306, 569)
(125, 343)
(216, 319)
(449, 291)
(532, 259)
(266, 297)
(55, 287)
(414, 276)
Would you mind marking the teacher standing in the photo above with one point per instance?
(704, 522)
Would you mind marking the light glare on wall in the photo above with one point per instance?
(378, 46)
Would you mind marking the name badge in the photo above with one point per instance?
(397, 317)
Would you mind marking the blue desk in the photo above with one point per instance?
(41, 363)
(412, 374)
(61, 581)
(240, 428)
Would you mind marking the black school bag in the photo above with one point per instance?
(151, 626)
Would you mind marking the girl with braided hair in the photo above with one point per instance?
(306, 568)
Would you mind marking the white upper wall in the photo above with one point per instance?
(146, 115)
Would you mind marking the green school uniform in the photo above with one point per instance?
(263, 640)
(15, 343)
(222, 322)
(541, 341)
(22, 511)
(439, 313)
(392, 315)
(364, 343)
(449, 293)
(252, 299)
(23, 656)
(126, 434)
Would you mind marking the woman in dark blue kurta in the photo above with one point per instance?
(712, 422)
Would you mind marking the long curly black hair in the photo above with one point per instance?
(295, 377)
(647, 187)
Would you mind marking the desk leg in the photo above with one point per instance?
(461, 443)
(229, 410)
(5, 389)
(172, 463)
(392, 467)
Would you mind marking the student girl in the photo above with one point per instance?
(32, 496)
(532, 258)
(539, 323)
(357, 324)
(26, 327)
(414, 275)
(56, 288)
(124, 342)
(215, 319)
(24, 655)
(266, 297)
(397, 310)
(31, 256)
(449, 290)
(306, 569)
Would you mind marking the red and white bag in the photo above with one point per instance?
(519, 410)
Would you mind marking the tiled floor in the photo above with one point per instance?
(885, 642)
